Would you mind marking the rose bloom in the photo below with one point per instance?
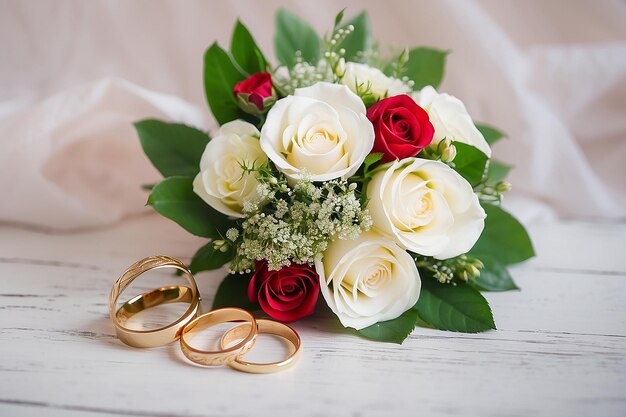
(222, 183)
(368, 280)
(402, 127)
(380, 85)
(426, 206)
(255, 93)
(288, 294)
(450, 119)
(321, 132)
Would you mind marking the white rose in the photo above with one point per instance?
(450, 119)
(368, 280)
(380, 85)
(426, 206)
(321, 130)
(222, 182)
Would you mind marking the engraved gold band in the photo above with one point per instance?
(226, 355)
(268, 327)
(163, 335)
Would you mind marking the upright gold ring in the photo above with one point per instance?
(172, 294)
(268, 327)
(225, 355)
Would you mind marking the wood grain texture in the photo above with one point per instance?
(560, 349)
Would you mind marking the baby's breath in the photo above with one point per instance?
(294, 224)
(304, 74)
(232, 234)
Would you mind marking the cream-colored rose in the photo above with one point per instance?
(380, 85)
(426, 206)
(450, 119)
(222, 182)
(368, 280)
(321, 130)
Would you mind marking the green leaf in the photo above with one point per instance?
(370, 160)
(339, 17)
(294, 34)
(364, 175)
(426, 66)
(174, 198)
(360, 39)
(394, 331)
(469, 162)
(220, 77)
(245, 50)
(233, 292)
(493, 277)
(174, 149)
(504, 238)
(207, 258)
(459, 308)
(491, 134)
(497, 171)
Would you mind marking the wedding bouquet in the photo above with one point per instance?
(342, 171)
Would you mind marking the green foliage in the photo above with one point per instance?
(220, 77)
(294, 34)
(497, 171)
(360, 40)
(208, 258)
(245, 50)
(339, 17)
(493, 276)
(369, 161)
(458, 308)
(365, 174)
(174, 198)
(174, 149)
(426, 66)
(394, 331)
(233, 292)
(469, 162)
(504, 238)
(491, 134)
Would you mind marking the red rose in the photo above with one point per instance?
(402, 127)
(254, 94)
(287, 294)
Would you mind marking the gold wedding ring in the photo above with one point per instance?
(171, 294)
(158, 296)
(225, 355)
(267, 327)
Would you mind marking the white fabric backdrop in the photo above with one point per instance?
(74, 75)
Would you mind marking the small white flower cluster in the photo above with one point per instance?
(304, 74)
(295, 224)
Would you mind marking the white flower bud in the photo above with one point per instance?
(503, 186)
(449, 153)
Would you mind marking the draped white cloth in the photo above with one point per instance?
(74, 75)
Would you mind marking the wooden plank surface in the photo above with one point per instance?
(560, 349)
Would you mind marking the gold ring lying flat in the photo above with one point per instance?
(226, 355)
(268, 327)
(163, 335)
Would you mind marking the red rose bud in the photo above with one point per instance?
(402, 127)
(287, 294)
(255, 94)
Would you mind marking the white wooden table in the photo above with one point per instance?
(560, 349)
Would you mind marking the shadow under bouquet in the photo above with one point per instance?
(341, 173)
